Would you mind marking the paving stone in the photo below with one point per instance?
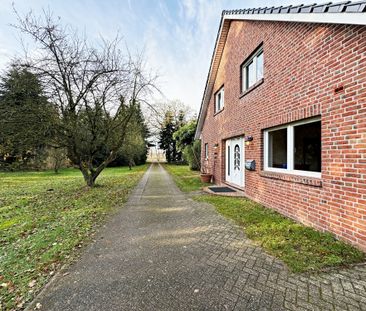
(326, 290)
(290, 296)
(165, 251)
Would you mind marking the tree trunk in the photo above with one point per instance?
(91, 180)
(91, 174)
(88, 176)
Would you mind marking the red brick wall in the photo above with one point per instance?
(303, 64)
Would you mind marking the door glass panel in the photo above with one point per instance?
(228, 160)
(237, 157)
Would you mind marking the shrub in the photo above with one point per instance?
(192, 154)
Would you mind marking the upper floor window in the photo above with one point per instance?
(219, 100)
(252, 69)
(294, 148)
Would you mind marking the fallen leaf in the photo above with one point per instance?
(38, 306)
(20, 305)
(32, 283)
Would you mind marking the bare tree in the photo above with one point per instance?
(96, 90)
(57, 157)
(156, 117)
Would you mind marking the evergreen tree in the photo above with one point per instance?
(166, 141)
(26, 118)
(190, 148)
(184, 136)
(134, 148)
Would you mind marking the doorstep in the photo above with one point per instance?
(231, 192)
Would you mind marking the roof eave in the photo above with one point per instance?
(215, 61)
(323, 18)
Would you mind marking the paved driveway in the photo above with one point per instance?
(163, 251)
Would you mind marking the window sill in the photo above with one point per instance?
(217, 112)
(305, 180)
(254, 86)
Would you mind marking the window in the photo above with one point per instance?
(252, 69)
(260, 65)
(307, 151)
(277, 148)
(206, 151)
(294, 148)
(219, 100)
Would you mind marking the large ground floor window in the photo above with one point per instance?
(294, 148)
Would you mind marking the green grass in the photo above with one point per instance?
(45, 218)
(300, 247)
(185, 179)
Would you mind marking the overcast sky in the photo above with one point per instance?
(177, 36)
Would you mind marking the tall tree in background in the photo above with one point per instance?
(190, 148)
(172, 122)
(26, 118)
(156, 118)
(134, 150)
(96, 91)
(184, 136)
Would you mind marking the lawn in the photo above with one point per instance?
(185, 179)
(45, 218)
(301, 248)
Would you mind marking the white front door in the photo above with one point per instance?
(235, 161)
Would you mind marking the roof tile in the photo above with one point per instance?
(296, 9)
(338, 7)
(356, 7)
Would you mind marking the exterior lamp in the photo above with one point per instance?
(215, 150)
(248, 140)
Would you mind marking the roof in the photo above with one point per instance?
(339, 7)
(346, 12)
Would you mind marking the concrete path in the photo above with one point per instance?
(163, 251)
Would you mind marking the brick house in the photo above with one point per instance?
(283, 116)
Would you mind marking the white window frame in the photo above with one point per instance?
(206, 151)
(244, 69)
(218, 107)
(290, 150)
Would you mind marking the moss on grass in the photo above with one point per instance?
(301, 248)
